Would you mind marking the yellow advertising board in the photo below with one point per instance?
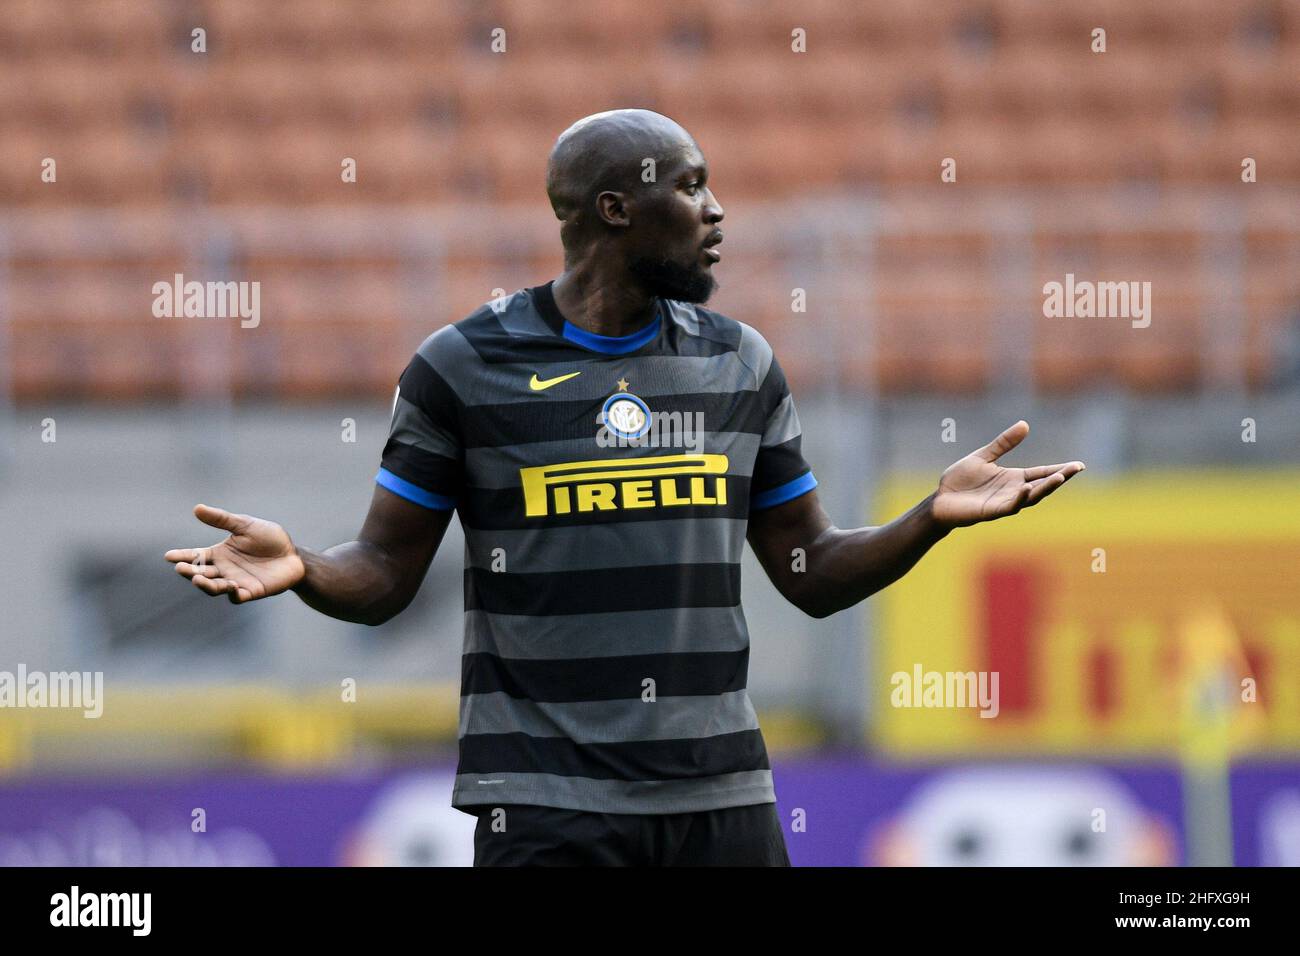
(1154, 614)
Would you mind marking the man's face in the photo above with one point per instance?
(672, 245)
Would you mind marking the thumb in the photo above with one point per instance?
(1008, 440)
(219, 518)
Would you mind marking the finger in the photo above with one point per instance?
(213, 586)
(220, 518)
(192, 555)
(1022, 498)
(1008, 440)
(1042, 471)
(189, 570)
(238, 595)
(1040, 489)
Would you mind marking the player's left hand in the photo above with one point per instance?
(978, 489)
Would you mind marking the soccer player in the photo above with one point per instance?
(609, 445)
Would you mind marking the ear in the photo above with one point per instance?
(611, 207)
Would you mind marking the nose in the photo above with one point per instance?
(712, 211)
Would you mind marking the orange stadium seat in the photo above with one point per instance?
(1270, 144)
(296, 163)
(21, 156)
(107, 28)
(256, 93)
(400, 162)
(1020, 20)
(569, 28)
(74, 91)
(110, 165)
(324, 357)
(411, 26)
(244, 29)
(326, 292)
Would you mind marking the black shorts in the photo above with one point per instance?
(523, 835)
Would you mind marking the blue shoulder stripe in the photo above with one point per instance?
(783, 493)
(404, 489)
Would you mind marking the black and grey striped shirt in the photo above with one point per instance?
(604, 485)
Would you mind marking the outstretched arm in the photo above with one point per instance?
(840, 568)
(366, 581)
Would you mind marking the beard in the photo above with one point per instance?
(672, 280)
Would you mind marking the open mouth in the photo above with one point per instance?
(710, 245)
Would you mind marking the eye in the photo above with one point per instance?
(694, 187)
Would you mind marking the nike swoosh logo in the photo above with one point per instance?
(537, 384)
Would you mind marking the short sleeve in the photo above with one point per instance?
(424, 459)
(780, 472)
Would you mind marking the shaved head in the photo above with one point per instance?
(630, 188)
(607, 151)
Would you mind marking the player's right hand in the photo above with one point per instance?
(256, 561)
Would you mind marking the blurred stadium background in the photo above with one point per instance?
(1119, 688)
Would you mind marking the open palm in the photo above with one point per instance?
(256, 561)
(976, 488)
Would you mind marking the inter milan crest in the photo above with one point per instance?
(625, 415)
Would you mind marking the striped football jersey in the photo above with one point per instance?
(604, 485)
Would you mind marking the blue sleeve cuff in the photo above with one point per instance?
(404, 489)
(783, 493)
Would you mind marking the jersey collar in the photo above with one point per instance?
(544, 298)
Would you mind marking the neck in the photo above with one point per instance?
(602, 303)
